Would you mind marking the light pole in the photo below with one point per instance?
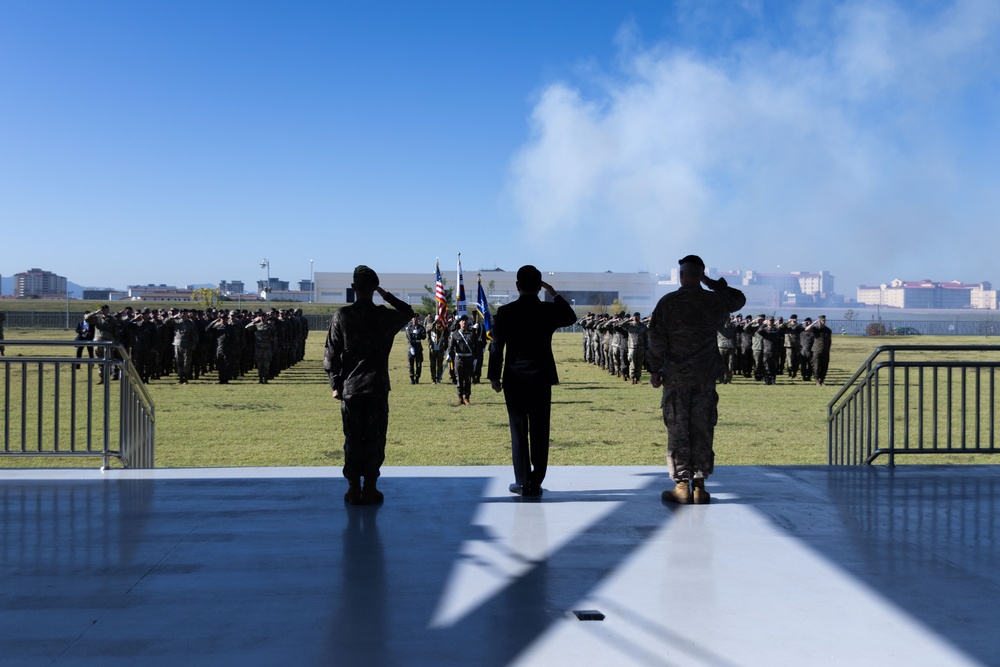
(312, 284)
(264, 264)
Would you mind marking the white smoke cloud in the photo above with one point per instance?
(841, 147)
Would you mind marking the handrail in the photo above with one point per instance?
(932, 405)
(65, 399)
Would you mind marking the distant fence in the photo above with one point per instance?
(55, 320)
(869, 327)
(57, 405)
(917, 399)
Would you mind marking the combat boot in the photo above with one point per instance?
(701, 496)
(680, 494)
(353, 495)
(369, 494)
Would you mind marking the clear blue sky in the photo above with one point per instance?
(181, 142)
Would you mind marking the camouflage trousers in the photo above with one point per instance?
(182, 359)
(690, 415)
(636, 356)
(263, 359)
(728, 362)
(366, 421)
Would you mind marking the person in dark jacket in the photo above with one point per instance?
(84, 332)
(356, 358)
(522, 366)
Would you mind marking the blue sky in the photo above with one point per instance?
(182, 142)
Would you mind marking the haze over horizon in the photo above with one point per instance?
(183, 142)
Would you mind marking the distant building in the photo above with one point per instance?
(38, 283)
(928, 294)
(227, 287)
(158, 293)
(274, 285)
(102, 294)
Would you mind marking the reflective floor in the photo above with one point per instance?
(787, 566)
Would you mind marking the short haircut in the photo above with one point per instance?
(529, 277)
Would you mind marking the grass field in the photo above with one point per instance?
(596, 419)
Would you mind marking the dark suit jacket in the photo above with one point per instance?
(521, 351)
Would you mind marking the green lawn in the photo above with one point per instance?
(596, 419)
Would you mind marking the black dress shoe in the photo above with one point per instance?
(532, 491)
(515, 488)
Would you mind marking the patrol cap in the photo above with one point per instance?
(365, 276)
(145, 311)
(762, 316)
(692, 259)
(794, 316)
(463, 318)
(809, 319)
(636, 314)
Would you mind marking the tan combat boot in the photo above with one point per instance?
(681, 494)
(701, 496)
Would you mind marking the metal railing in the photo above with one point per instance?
(916, 399)
(60, 406)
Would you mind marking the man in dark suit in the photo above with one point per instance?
(522, 365)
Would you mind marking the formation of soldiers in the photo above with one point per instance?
(197, 343)
(762, 347)
(616, 343)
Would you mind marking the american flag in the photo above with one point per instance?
(439, 298)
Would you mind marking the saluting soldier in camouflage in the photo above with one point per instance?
(185, 339)
(771, 339)
(792, 331)
(726, 338)
(263, 330)
(636, 330)
(684, 355)
(105, 327)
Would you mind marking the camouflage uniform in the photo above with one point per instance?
(185, 339)
(636, 330)
(356, 358)
(683, 348)
(726, 337)
(105, 327)
(263, 346)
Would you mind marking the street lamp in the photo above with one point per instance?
(312, 284)
(264, 264)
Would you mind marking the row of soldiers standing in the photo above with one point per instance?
(764, 348)
(759, 347)
(616, 343)
(194, 343)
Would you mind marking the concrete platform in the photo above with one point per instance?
(787, 566)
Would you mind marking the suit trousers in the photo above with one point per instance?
(529, 409)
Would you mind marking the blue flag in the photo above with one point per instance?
(484, 310)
